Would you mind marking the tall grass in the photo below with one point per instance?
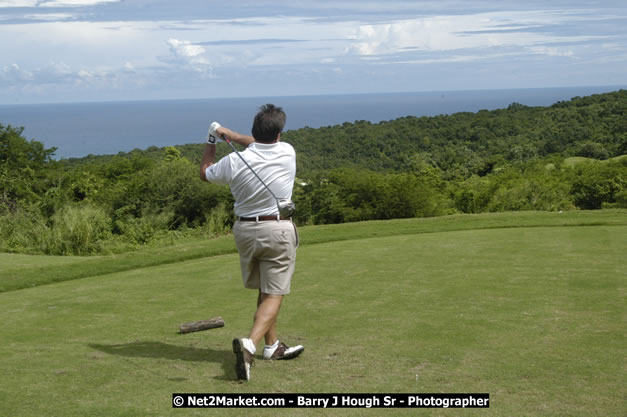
(219, 220)
(79, 230)
(74, 230)
(23, 231)
(89, 230)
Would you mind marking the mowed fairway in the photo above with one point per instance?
(534, 316)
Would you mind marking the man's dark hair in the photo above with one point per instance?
(269, 122)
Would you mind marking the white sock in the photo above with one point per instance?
(272, 347)
(249, 345)
(269, 350)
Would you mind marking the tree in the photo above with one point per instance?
(23, 166)
(172, 154)
(593, 150)
(597, 184)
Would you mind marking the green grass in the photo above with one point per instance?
(528, 307)
(40, 270)
(574, 160)
(618, 158)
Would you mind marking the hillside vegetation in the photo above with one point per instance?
(519, 158)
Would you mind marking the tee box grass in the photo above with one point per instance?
(528, 307)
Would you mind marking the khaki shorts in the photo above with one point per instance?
(267, 254)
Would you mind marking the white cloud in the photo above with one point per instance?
(458, 32)
(57, 69)
(84, 74)
(53, 3)
(185, 48)
(50, 17)
(448, 59)
(13, 73)
(552, 51)
(74, 3)
(18, 3)
(69, 49)
(58, 74)
(202, 44)
(190, 54)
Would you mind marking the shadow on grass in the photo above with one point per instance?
(159, 350)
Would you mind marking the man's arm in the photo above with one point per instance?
(208, 159)
(209, 155)
(238, 138)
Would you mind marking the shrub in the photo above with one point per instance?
(598, 184)
(593, 150)
(74, 230)
(621, 199)
(143, 229)
(23, 230)
(78, 230)
(348, 195)
(219, 221)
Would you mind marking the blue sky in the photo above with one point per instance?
(95, 50)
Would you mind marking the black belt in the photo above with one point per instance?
(262, 218)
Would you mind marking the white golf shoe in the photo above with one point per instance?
(282, 352)
(243, 357)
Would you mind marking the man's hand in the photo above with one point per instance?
(214, 135)
(209, 155)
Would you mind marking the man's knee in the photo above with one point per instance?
(269, 304)
(264, 296)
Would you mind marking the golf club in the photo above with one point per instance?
(286, 206)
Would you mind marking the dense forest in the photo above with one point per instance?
(571, 155)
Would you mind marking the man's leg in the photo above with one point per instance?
(268, 306)
(271, 335)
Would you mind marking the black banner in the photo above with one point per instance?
(330, 400)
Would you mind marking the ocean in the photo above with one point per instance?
(80, 129)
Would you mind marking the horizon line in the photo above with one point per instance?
(610, 86)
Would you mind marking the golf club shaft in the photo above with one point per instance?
(251, 169)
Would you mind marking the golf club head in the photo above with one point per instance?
(286, 207)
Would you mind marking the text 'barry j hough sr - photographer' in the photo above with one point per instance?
(331, 400)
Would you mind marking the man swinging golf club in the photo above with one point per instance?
(261, 180)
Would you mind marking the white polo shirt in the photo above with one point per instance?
(275, 163)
